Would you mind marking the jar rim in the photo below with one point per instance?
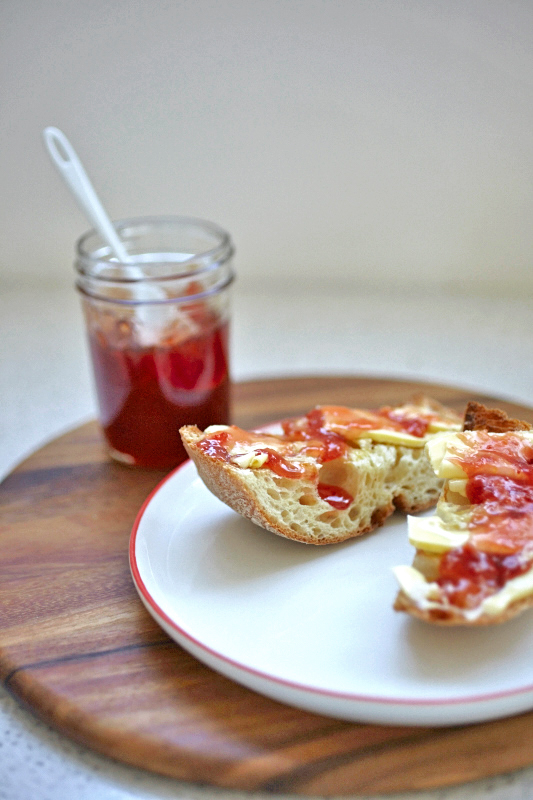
(204, 260)
(126, 301)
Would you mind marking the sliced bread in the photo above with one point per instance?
(330, 475)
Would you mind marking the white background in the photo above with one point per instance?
(361, 142)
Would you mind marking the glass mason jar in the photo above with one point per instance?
(158, 333)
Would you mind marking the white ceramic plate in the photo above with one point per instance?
(314, 627)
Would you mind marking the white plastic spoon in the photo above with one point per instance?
(71, 170)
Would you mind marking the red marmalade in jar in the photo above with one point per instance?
(147, 393)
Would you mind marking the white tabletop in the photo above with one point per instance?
(480, 343)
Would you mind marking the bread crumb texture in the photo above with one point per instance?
(378, 478)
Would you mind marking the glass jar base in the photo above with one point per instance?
(122, 458)
(130, 461)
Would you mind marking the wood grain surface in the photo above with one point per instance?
(78, 648)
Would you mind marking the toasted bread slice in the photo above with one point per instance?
(474, 558)
(331, 475)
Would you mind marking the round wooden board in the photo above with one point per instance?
(78, 648)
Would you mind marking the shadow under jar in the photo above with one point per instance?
(158, 333)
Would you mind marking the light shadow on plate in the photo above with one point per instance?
(445, 654)
(240, 551)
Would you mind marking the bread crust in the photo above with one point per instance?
(480, 418)
(450, 617)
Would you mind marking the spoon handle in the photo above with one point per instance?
(71, 169)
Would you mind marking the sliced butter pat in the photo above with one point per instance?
(458, 486)
(429, 534)
(437, 449)
(215, 429)
(251, 460)
(439, 426)
(515, 589)
(412, 582)
(448, 471)
(384, 436)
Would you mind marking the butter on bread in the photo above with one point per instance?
(380, 466)
(490, 552)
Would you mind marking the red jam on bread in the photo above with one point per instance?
(323, 434)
